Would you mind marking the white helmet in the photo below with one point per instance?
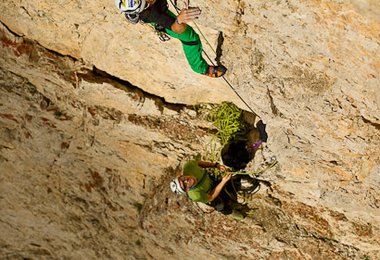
(130, 6)
(175, 187)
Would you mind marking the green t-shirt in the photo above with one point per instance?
(203, 187)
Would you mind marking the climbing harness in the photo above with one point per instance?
(160, 31)
(163, 36)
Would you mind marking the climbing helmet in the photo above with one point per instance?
(131, 9)
(176, 187)
(131, 6)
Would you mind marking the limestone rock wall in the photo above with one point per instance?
(76, 172)
(86, 156)
(98, 34)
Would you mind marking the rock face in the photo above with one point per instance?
(95, 116)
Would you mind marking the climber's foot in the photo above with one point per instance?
(215, 71)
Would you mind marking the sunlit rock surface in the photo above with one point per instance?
(93, 121)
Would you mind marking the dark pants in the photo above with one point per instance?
(227, 198)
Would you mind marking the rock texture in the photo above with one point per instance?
(95, 115)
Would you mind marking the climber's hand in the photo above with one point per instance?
(188, 14)
(227, 177)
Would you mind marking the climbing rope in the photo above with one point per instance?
(208, 57)
(254, 146)
(256, 173)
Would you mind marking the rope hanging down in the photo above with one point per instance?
(212, 62)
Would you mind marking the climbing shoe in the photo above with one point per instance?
(215, 71)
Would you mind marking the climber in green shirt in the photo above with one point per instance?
(156, 12)
(196, 182)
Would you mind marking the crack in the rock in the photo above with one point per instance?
(273, 107)
(94, 75)
(376, 125)
(99, 76)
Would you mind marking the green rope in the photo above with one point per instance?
(248, 173)
(255, 173)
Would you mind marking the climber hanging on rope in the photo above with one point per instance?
(198, 185)
(156, 12)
